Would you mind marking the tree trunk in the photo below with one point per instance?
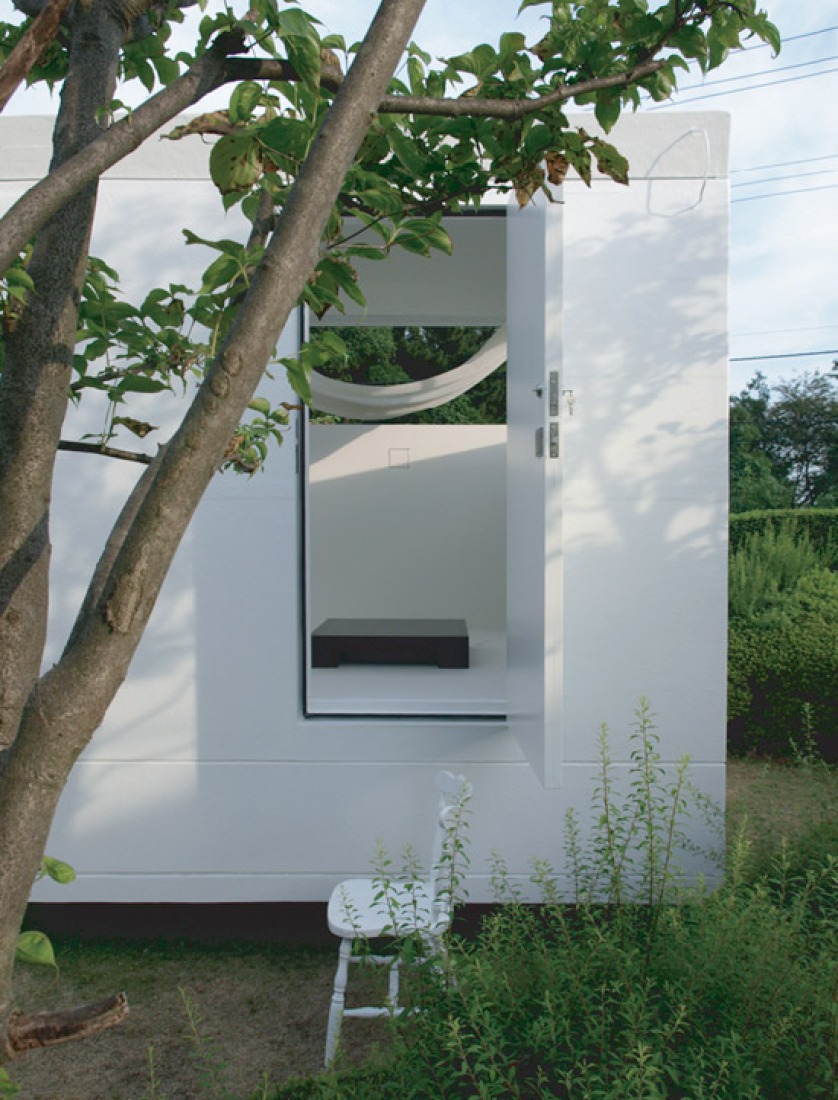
(67, 704)
(33, 403)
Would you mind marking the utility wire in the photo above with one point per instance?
(734, 91)
(791, 355)
(783, 164)
(792, 38)
(760, 72)
(782, 331)
(775, 194)
(788, 176)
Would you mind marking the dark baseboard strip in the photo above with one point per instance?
(252, 922)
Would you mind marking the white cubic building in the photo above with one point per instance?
(584, 544)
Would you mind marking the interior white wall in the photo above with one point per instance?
(408, 521)
(206, 783)
(467, 287)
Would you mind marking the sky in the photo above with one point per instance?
(784, 164)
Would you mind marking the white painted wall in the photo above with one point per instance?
(206, 783)
(408, 521)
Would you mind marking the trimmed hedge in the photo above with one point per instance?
(783, 673)
(820, 524)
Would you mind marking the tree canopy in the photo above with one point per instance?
(784, 443)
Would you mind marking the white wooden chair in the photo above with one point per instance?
(364, 909)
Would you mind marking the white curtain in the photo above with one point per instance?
(356, 402)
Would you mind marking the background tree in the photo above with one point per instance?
(377, 356)
(754, 483)
(300, 147)
(784, 443)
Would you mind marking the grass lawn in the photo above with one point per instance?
(772, 804)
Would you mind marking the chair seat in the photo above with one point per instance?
(357, 909)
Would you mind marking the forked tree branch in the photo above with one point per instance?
(116, 538)
(23, 220)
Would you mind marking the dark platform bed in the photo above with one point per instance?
(441, 642)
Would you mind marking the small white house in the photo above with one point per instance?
(584, 544)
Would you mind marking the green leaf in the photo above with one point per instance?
(607, 109)
(438, 238)
(220, 272)
(609, 161)
(18, 276)
(385, 202)
(416, 75)
(236, 162)
(538, 140)
(288, 137)
(145, 73)
(139, 383)
(416, 51)
(261, 405)
(375, 225)
(407, 153)
(331, 342)
(57, 870)
(411, 243)
(366, 251)
(334, 42)
(691, 41)
(301, 44)
(344, 275)
(717, 51)
(243, 100)
(577, 154)
(299, 378)
(768, 32)
(167, 69)
(34, 948)
(511, 42)
(481, 61)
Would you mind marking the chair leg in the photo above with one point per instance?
(393, 990)
(338, 999)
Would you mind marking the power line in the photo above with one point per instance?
(792, 38)
(784, 164)
(797, 191)
(791, 355)
(760, 72)
(788, 176)
(734, 91)
(782, 331)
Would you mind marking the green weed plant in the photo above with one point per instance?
(643, 987)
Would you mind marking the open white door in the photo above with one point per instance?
(534, 517)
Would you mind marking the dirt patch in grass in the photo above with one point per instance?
(258, 1013)
(222, 1022)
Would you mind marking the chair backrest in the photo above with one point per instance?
(448, 855)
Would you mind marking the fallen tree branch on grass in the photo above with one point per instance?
(46, 1029)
